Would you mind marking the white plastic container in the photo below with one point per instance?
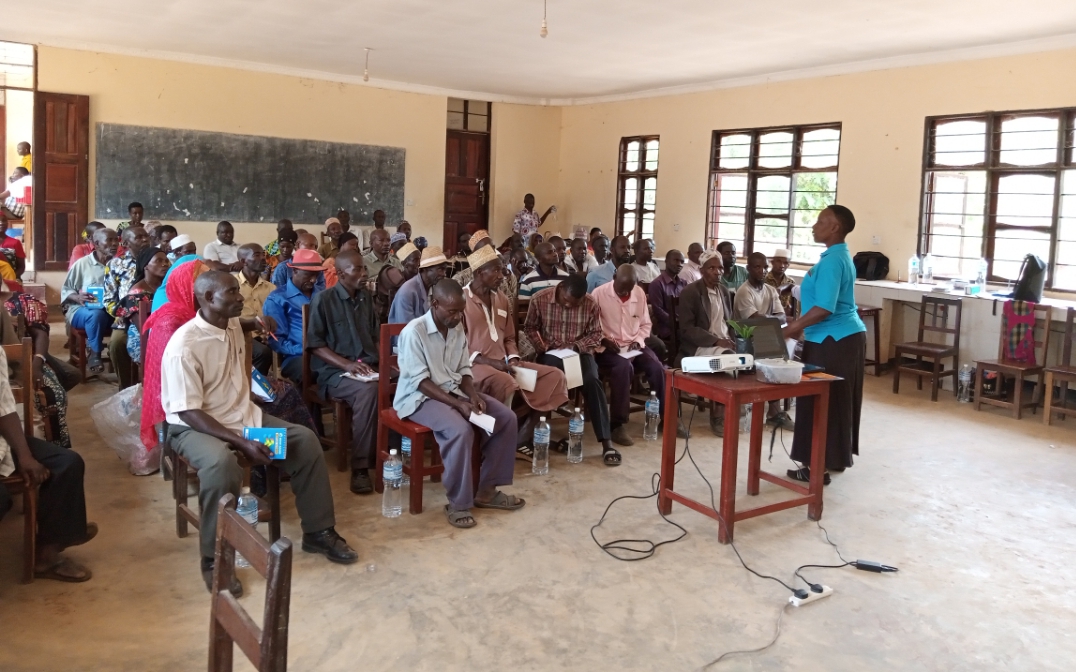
(779, 371)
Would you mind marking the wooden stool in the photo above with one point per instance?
(873, 312)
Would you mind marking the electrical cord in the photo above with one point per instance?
(776, 634)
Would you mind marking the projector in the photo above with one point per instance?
(717, 363)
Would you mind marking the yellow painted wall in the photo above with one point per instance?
(524, 158)
(882, 114)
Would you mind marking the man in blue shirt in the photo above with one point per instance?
(620, 253)
(285, 306)
(412, 299)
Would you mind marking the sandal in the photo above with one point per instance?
(65, 570)
(804, 475)
(459, 518)
(525, 452)
(501, 501)
(611, 458)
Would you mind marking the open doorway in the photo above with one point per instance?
(466, 170)
(17, 83)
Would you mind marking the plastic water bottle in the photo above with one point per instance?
(964, 380)
(913, 270)
(405, 450)
(247, 508)
(653, 415)
(928, 269)
(745, 418)
(540, 465)
(980, 278)
(575, 437)
(392, 475)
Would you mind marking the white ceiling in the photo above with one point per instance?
(596, 49)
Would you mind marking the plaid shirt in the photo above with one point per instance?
(551, 326)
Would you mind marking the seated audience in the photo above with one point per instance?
(346, 241)
(162, 236)
(396, 241)
(12, 251)
(412, 299)
(619, 254)
(562, 251)
(734, 275)
(491, 337)
(61, 500)
(421, 243)
(404, 227)
(509, 286)
(151, 267)
(579, 260)
(223, 253)
(391, 278)
(135, 212)
(783, 283)
(755, 298)
(379, 219)
(273, 248)
(566, 317)
(645, 269)
(436, 389)
(255, 290)
(25, 160)
(11, 205)
(692, 270)
(333, 231)
(547, 274)
(380, 254)
(282, 274)
(284, 246)
(86, 246)
(342, 337)
(182, 247)
(285, 306)
(119, 278)
(345, 220)
(666, 287)
(81, 309)
(201, 368)
(594, 233)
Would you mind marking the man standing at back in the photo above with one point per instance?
(81, 309)
(119, 277)
(205, 392)
(527, 220)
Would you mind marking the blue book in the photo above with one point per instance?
(261, 387)
(273, 437)
(98, 294)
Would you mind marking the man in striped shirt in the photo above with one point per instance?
(546, 275)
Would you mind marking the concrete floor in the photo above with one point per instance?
(976, 509)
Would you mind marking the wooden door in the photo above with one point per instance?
(61, 176)
(466, 185)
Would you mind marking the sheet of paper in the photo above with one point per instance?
(362, 379)
(527, 379)
(790, 343)
(485, 421)
(630, 354)
(563, 353)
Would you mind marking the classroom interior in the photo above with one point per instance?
(973, 505)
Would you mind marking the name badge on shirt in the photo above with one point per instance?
(502, 313)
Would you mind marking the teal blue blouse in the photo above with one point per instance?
(831, 284)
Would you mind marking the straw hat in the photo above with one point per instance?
(483, 256)
(478, 237)
(406, 251)
(432, 256)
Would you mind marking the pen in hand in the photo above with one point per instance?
(266, 331)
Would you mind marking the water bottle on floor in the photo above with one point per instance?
(653, 416)
(392, 475)
(405, 450)
(575, 437)
(964, 384)
(247, 508)
(540, 464)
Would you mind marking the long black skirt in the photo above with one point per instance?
(843, 358)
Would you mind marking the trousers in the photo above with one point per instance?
(593, 392)
(219, 474)
(95, 322)
(362, 398)
(121, 359)
(61, 500)
(455, 436)
(621, 371)
(262, 357)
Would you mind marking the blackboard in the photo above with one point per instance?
(202, 176)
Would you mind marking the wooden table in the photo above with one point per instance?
(732, 392)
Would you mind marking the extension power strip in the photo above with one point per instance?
(811, 597)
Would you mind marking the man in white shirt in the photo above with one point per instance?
(223, 254)
(755, 298)
(692, 270)
(579, 260)
(205, 392)
(646, 271)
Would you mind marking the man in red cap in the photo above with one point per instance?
(285, 306)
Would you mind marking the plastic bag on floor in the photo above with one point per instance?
(118, 419)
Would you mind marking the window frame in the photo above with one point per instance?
(622, 175)
(994, 169)
(711, 234)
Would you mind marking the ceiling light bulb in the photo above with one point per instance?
(366, 69)
(545, 29)
(545, 12)
(365, 75)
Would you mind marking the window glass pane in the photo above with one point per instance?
(478, 107)
(820, 148)
(1065, 277)
(770, 234)
(775, 150)
(631, 192)
(455, 120)
(729, 207)
(1025, 200)
(648, 225)
(455, 105)
(16, 65)
(735, 151)
(1066, 229)
(631, 156)
(628, 227)
(956, 203)
(650, 191)
(1029, 141)
(959, 143)
(478, 122)
(652, 155)
(1011, 245)
(771, 195)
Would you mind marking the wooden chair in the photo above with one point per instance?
(266, 647)
(1017, 370)
(15, 483)
(341, 439)
(182, 470)
(1064, 372)
(417, 470)
(944, 317)
(873, 313)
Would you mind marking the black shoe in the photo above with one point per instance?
(258, 486)
(236, 588)
(804, 475)
(360, 482)
(331, 545)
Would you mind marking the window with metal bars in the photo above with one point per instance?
(767, 186)
(999, 186)
(637, 187)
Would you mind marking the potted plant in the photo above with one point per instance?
(742, 338)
